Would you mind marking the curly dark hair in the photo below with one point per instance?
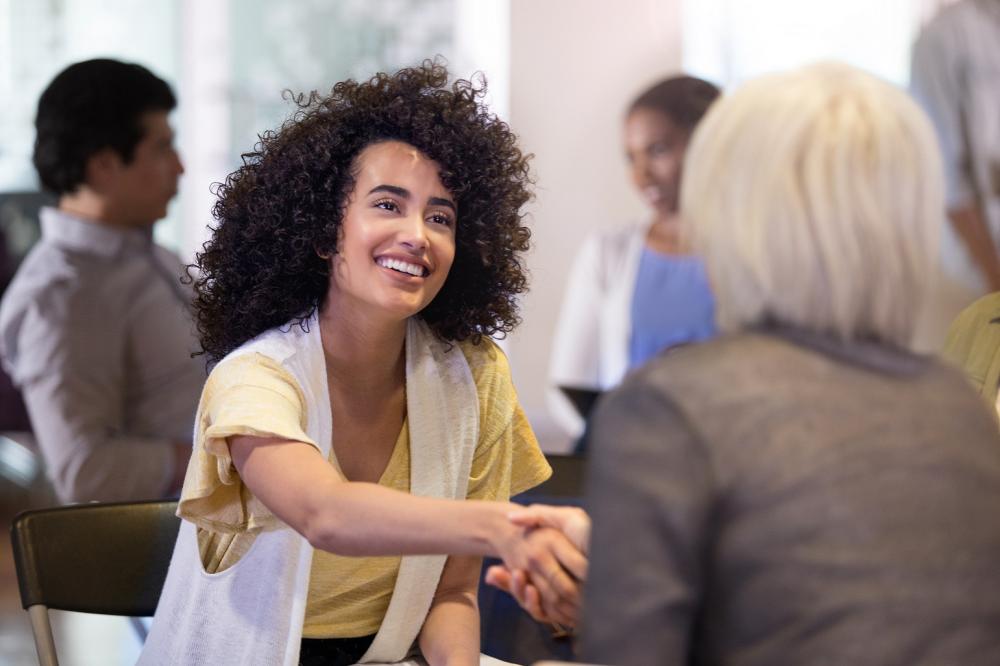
(283, 208)
(90, 106)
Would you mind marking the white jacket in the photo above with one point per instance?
(590, 349)
(252, 612)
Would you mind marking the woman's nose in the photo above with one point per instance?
(414, 232)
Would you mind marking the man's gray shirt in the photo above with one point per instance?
(96, 330)
(955, 75)
(772, 499)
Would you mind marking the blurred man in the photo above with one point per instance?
(94, 328)
(956, 77)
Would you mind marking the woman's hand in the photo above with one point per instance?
(532, 589)
(555, 568)
(570, 520)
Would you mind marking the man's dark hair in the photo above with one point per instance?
(683, 99)
(90, 106)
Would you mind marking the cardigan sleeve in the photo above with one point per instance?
(650, 486)
(576, 346)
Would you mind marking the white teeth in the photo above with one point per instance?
(401, 266)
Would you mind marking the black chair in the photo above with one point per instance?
(109, 559)
(565, 486)
(507, 632)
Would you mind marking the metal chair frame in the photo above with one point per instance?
(109, 559)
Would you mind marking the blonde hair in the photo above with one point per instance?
(815, 197)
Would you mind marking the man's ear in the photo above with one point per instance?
(102, 169)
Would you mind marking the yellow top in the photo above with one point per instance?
(253, 395)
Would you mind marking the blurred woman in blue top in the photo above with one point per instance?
(634, 292)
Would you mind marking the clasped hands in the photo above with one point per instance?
(545, 567)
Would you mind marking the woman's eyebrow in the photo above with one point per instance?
(391, 189)
(447, 203)
(405, 194)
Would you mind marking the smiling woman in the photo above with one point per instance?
(634, 292)
(293, 187)
(363, 254)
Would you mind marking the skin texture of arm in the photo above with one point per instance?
(364, 519)
(450, 635)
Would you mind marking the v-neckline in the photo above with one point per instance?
(396, 452)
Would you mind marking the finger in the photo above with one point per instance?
(525, 518)
(518, 587)
(564, 585)
(536, 515)
(538, 579)
(527, 596)
(518, 582)
(569, 611)
(549, 599)
(559, 612)
(540, 608)
(499, 576)
(577, 528)
(570, 520)
(547, 574)
(533, 604)
(571, 559)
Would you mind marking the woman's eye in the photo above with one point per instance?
(386, 204)
(440, 218)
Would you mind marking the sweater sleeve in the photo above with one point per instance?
(973, 344)
(650, 491)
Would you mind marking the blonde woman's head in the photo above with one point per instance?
(815, 197)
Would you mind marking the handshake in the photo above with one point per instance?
(545, 566)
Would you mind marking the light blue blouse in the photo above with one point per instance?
(671, 304)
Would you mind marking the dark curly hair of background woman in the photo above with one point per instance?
(283, 208)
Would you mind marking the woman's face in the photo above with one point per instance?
(397, 239)
(654, 149)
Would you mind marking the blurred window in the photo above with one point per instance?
(229, 62)
(729, 41)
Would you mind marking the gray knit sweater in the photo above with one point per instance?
(778, 498)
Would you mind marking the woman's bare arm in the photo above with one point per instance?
(450, 635)
(363, 519)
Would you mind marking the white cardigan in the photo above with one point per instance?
(252, 612)
(590, 348)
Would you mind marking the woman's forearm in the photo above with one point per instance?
(363, 519)
(450, 635)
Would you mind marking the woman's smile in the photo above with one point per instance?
(405, 267)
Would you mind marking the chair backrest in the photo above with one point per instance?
(95, 558)
(565, 486)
